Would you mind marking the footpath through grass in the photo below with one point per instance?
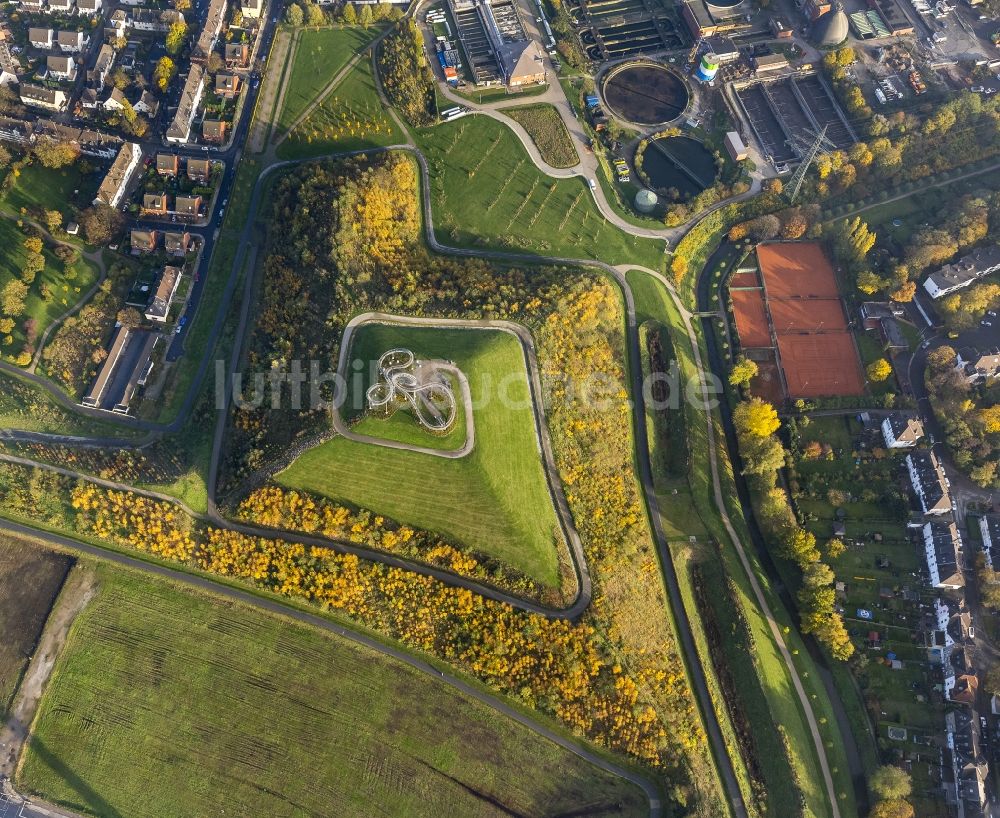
(351, 117)
(320, 54)
(763, 669)
(289, 719)
(494, 500)
(548, 132)
(487, 193)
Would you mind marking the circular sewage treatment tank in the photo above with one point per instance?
(679, 163)
(645, 93)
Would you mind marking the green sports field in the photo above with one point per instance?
(487, 193)
(166, 702)
(494, 500)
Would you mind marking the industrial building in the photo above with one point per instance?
(495, 42)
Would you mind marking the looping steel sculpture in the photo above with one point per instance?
(405, 381)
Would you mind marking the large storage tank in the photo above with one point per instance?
(707, 68)
(645, 200)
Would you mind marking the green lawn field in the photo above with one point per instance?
(487, 193)
(65, 289)
(61, 189)
(320, 54)
(350, 118)
(494, 500)
(250, 714)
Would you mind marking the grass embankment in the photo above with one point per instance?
(30, 579)
(495, 499)
(319, 55)
(28, 407)
(548, 132)
(288, 717)
(351, 117)
(765, 669)
(487, 193)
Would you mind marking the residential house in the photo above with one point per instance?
(158, 308)
(62, 6)
(60, 67)
(199, 170)
(941, 546)
(213, 130)
(929, 482)
(118, 23)
(978, 365)
(115, 182)
(989, 529)
(10, 66)
(42, 38)
(115, 101)
(940, 642)
(16, 130)
(33, 5)
(72, 42)
(146, 104)
(90, 142)
(51, 99)
(89, 8)
(237, 55)
(227, 86)
(167, 164)
(155, 20)
(901, 432)
(251, 9)
(973, 266)
(98, 391)
(143, 241)
(102, 66)
(176, 244)
(88, 99)
(156, 204)
(189, 206)
(194, 85)
(209, 33)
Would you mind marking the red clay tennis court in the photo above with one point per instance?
(820, 365)
(751, 317)
(800, 302)
(806, 315)
(796, 270)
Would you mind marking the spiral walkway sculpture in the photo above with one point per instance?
(403, 380)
